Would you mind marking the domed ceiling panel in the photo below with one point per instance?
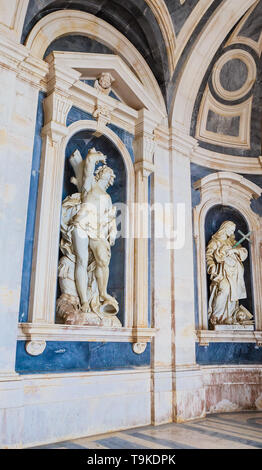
(227, 116)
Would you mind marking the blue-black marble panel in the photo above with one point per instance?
(126, 137)
(233, 75)
(31, 213)
(253, 25)
(179, 13)
(77, 43)
(228, 353)
(80, 356)
(223, 124)
(75, 114)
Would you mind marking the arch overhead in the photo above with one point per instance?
(64, 22)
(164, 20)
(204, 50)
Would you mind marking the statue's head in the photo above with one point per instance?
(105, 175)
(105, 80)
(227, 228)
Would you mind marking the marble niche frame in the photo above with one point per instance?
(64, 89)
(228, 189)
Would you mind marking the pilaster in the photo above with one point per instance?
(188, 388)
(160, 281)
(183, 269)
(144, 148)
(43, 285)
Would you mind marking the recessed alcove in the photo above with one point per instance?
(214, 218)
(83, 141)
(227, 196)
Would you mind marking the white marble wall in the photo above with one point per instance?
(183, 285)
(38, 409)
(18, 102)
(45, 408)
(55, 407)
(189, 396)
(162, 350)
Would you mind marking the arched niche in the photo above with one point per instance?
(226, 196)
(82, 141)
(103, 120)
(215, 216)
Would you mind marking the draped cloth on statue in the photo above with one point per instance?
(75, 213)
(226, 270)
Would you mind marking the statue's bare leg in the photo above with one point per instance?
(101, 252)
(80, 244)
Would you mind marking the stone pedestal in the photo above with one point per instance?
(234, 328)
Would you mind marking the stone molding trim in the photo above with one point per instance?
(12, 17)
(242, 111)
(17, 58)
(233, 190)
(220, 162)
(248, 60)
(205, 337)
(189, 147)
(37, 334)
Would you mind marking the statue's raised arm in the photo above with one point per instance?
(89, 164)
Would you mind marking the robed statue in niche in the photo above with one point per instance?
(225, 258)
(88, 231)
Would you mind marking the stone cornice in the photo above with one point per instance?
(208, 336)
(248, 189)
(17, 58)
(55, 332)
(189, 147)
(218, 161)
(182, 143)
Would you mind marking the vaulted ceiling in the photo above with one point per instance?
(138, 20)
(165, 33)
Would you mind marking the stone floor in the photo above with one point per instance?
(218, 431)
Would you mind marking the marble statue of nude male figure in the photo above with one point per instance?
(94, 227)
